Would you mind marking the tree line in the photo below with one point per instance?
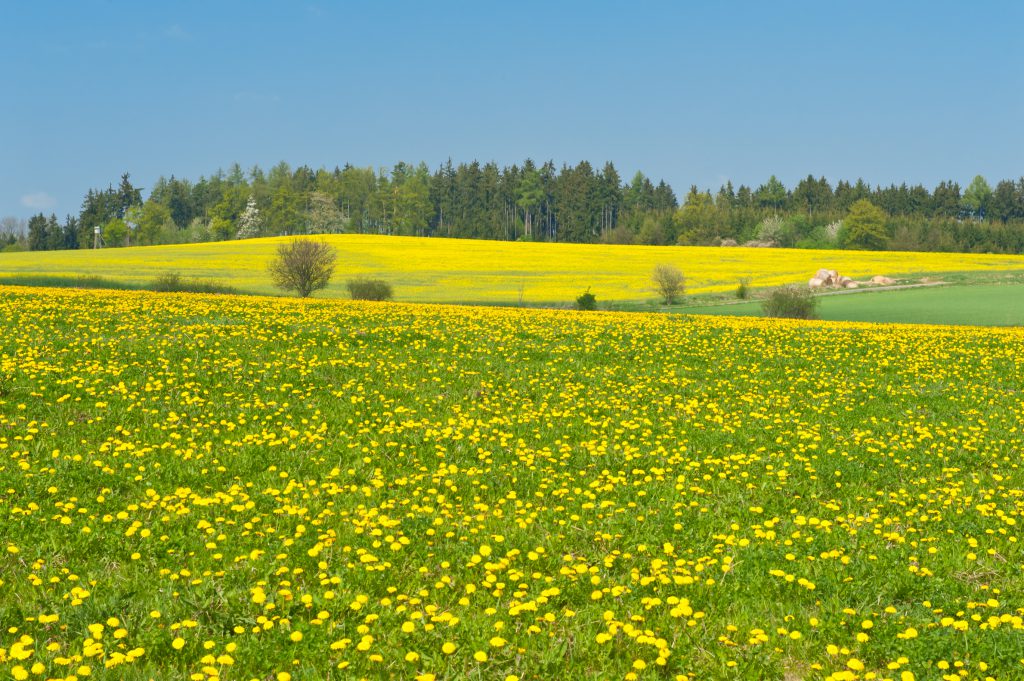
(574, 203)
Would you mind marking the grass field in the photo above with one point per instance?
(220, 487)
(986, 305)
(469, 271)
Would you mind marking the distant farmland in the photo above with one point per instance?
(468, 271)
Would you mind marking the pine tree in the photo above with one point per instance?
(772, 194)
(37, 237)
(127, 196)
(54, 235)
(70, 232)
(1003, 203)
(946, 199)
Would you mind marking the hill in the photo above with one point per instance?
(502, 272)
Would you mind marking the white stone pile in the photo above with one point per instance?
(824, 278)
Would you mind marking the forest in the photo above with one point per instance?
(580, 203)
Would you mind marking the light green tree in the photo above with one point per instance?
(864, 226)
(976, 197)
(221, 229)
(115, 232)
(412, 207)
(697, 220)
(153, 224)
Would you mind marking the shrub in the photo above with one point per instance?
(794, 302)
(167, 282)
(303, 266)
(172, 282)
(586, 301)
(370, 289)
(207, 286)
(66, 281)
(669, 282)
(743, 290)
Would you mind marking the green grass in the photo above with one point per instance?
(68, 281)
(979, 305)
(164, 283)
(578, 495)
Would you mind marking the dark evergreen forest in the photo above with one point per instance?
(581, 203)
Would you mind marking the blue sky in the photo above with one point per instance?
(692, 93)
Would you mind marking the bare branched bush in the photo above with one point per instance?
(303, 266)
(669, 282)
(743, 290)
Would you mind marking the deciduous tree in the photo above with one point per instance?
(669, 282)
(250, 222)
(976, 197)
(303, 266)
(864, 226)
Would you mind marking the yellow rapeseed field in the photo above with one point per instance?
(450, 270)
(228, 487)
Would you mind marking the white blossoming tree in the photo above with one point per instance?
(249, 222)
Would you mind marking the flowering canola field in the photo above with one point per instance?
(242, 488)
(467, 271)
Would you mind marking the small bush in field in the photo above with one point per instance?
(172, 282)
(793, 302)
(370, 289)
(586, 301)
(669, 282)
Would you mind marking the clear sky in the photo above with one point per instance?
(694, 93)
